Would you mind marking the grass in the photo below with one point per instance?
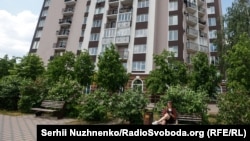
(11, 113)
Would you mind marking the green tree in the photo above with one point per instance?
(95, 106)
(204, 75)
(111, 74)
(238, 75)
(236, 21)
(67, 90)
(6, 65)
(84, 69)
(168, 72)
(30, 67)
(234, 108)
(61, 66)
(129, 106)
(10, 92)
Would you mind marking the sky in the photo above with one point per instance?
(18, 19)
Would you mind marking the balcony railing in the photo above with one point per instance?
(122, 40)
(192, 47)
(192, 33)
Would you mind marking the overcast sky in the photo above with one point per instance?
(18, 19)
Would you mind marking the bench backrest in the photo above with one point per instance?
(53, 104)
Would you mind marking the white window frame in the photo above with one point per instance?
(139, 49)
(173, 35)
(143, 3)
(173, 5)
(173, 20)
(141, 33)
(139, 66)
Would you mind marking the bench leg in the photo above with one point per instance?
(38, 113)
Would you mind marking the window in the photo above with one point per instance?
(173, 35)
(138, 49)
(35, 45)
(94, 37)
(109, 32)
(124, 17)
(173, 20)
(82, 33)
(62, 43)
(87, 9)
(85, 20)
(142, 18)
(174, 49)
(143, 3)
(212, 34)
(137, 85)
(41, 23)
(173, 5)
(99, 10)
(38, 33)
(93, 51)
(97, 23)
(80, 46)
(214, 60)
(46, 3)
(211, 10)
(138, 66)
(44, 13)
(125, 65)
(141, 33)
(212, 21)
(203, 41)
(213, 48)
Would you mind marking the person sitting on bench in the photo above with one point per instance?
(169, 115)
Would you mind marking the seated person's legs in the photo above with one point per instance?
(163, 120)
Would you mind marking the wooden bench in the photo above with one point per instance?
(190, 118)
(50, 106)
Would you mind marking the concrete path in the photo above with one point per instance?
(23, 128)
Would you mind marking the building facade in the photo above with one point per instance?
(138, 28)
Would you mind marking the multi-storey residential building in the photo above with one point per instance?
(138, 29)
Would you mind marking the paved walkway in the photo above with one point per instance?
(23, 128)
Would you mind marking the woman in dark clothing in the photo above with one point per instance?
(169, 115)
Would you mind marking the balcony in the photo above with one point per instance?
(110, 25)
(202, 23)
(201, 2)
(192, 33)
(192, 20)
(122, 40)
(204, 48)
(70, 2)
(112, 14)
(125, 10)
(202, 11)
(65, 22)
(62, 33)
(203, 34)
(127, 2)
(192, 47)
(108, 40)
(113, 3)
(68, 11)
(123, 55)
(124, 24)
(191, 7)
(59, 46)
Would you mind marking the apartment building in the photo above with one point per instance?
(138, 29)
